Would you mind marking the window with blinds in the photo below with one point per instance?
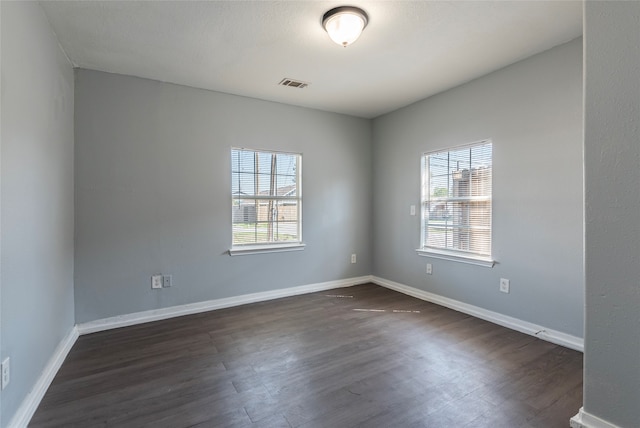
(456, 200)
(266, 198)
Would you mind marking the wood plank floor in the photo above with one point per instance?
(358, 356)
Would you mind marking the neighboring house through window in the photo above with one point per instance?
(266, 201)
(456, 203)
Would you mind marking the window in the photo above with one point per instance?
(456, 204)
(266, 199)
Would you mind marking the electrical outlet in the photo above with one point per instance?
(429, 269)
(156, 281)
(353, 258)
(412, 210)
(6, 372)
(504, 285)
(166, 281)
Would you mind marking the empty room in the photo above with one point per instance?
(320, 214)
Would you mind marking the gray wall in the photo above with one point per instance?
(532, 111)
(612, 213)
(153, 194)
(37, 197)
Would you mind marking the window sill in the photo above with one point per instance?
(457, 257)
(263, 249)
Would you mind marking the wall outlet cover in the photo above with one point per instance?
(6, 372)
(156, 281)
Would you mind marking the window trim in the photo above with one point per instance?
(460, 256)
(243, 250)
(272, 247)
(452, 256)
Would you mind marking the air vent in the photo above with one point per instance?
(293, 83)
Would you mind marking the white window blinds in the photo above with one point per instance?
(266, 197)
(456, 200)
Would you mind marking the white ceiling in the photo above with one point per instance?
(409, 51)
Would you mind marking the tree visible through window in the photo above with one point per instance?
(456, 200)
(266, 197)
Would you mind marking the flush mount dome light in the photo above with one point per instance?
(345, 24)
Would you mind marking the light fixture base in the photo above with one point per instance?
(344, 24)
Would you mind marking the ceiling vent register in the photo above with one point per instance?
(293, 83)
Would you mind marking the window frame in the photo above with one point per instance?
(451, 254)
(269, 246)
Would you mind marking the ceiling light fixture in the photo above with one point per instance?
(345, 24)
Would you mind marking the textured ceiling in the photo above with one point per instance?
(409, 50)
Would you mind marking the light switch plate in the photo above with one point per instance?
(167, 281)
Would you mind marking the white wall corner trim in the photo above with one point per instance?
(32, 400)
(209, 305)
(586, 420)
(541, 332)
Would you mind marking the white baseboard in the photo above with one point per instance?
(31, 402)
(209, 305)
(541, 332)
(586, 420)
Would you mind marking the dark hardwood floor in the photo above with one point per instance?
(358, 356)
